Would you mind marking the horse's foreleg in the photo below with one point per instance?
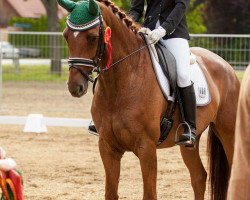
(111, 159)
(146, 153)
(196, 169)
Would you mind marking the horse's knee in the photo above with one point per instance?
(145, 149)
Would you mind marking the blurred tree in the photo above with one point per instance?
(123, 4)
(194, 17)
(54, 41)
(51, 10)
(228, 16)
(195, 3)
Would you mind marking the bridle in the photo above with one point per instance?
(92, 63)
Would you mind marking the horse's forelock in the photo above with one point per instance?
(127, 20)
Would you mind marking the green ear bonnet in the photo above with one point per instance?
(83, 15)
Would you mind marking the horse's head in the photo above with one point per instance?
(85, 45)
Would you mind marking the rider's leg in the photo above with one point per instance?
(180, 49)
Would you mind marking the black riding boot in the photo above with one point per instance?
(188, 98)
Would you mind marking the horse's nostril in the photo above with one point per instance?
(80, 89)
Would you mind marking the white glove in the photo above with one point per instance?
(145, 31)
(155, 35)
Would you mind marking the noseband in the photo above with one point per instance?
(94, 64)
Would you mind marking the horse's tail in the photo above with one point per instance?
(218, 166)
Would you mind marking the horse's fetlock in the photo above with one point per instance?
(111, 197)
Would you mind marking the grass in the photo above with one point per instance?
(33, 73)
(240, 74)
(42, 73)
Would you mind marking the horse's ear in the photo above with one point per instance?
(93, 7)
(67, 4)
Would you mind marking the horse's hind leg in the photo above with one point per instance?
(196, 169)
(226, 118)
(111, 159)
(224, 129)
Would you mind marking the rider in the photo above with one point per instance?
(167, 21)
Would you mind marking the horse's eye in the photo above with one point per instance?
(92, 39)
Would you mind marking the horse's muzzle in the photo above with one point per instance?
(77, 90)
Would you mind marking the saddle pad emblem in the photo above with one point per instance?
(202, 92)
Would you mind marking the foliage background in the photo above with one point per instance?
(204, 16)
(194, 17)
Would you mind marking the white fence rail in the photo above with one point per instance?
(47, 52)
(51, 46)
(48, 121)
(235, 49)
(31, 63)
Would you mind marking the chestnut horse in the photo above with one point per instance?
(128, 106)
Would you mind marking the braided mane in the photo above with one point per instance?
(126, 19)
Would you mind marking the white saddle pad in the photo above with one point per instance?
(200, 83)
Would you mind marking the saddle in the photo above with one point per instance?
(164, 66)
(168, 65)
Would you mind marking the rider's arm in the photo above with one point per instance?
(136, 10)
(175, 17)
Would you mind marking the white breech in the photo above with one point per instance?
(179, 47)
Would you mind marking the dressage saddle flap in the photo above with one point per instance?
(168, 64)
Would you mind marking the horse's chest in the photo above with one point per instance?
(121, 128)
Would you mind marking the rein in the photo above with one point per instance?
(131, 54)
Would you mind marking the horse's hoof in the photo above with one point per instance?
(92, 130)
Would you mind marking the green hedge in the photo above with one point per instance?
(233, 50)
(32, 24)
(40, 42)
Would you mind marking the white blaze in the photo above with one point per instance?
(76, 33)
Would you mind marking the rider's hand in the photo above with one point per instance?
(155, 35)
(145, 31)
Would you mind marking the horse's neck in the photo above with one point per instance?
(124, 42)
